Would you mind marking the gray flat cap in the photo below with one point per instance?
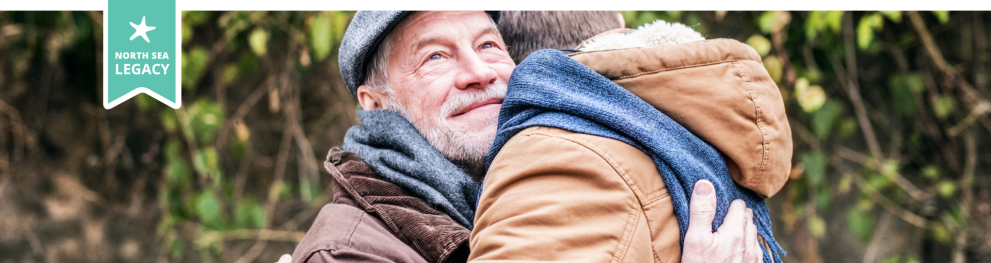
(366, 31)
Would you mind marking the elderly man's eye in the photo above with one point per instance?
(435, 57)
(487, 45)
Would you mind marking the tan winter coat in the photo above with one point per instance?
(555, 195)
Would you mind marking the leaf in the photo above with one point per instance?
(205, 161)
(860, 224)
(177, 172)
(930, 172)
(902, 95)
(865, 34)
(847, 127)
(193, 64)
(894, 16)
(321, 35)
(815, 23)
(773, 21)
(823, 119)
(249, 214)
(824, 197)
(230, 73)
(942, 16)
(815, 167)
(817, 227)
(187, 33)
(834, 20)
(258, 40)
(759, 43)
(947, 188)
(943, 106)
(206, 118)
(774, 67)
(208, 208)
(940, 233)
(811, 98)
(890, 169)
(878, 181)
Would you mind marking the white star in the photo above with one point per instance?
(141, 30)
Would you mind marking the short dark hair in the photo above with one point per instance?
(527, 31)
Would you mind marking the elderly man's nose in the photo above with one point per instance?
(475, 73)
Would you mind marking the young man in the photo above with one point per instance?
(405, 190)
(591, 162)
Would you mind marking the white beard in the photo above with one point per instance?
(467, 144)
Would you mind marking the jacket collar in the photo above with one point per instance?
(430, 232)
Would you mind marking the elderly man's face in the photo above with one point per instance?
(449, 72)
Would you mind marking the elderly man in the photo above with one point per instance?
(431, 85)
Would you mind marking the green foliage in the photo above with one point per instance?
(904, 91)
(760, 43)
(860, 223)
(249, 214)
(811, 98)
(208, 209)
(817, 226)
(773, 21)
(866, 28)
(942, 16)
(193, 65)
(823, 118)
(815, 167)
(943, 106)
(258, 40)
(321, 35)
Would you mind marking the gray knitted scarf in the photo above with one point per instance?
(395, 149)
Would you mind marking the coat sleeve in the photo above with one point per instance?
(552, 198)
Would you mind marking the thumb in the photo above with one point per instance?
(285, 258)
(702, 208)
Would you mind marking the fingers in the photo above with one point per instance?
(702, 208)
(285, 258)
(750, 235)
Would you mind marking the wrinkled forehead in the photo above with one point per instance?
(424, 24)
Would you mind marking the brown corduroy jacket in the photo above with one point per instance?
(372, 220)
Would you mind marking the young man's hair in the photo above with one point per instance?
(529, 31)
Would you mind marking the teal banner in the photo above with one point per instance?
(141, 52)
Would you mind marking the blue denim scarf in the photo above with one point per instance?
(552, 90)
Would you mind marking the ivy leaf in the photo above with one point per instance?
(860, 223)
(258, 40)
(321, 35)
(249, 214)
(773, 21)
(894, 16)
(834, 20)
(823, 119)
(811, 98)
(942, 16)
(943, 106)
(817, 226)
(193, 64)
(815, 167)
(947, 188)
(206, 118)
(208, 208)
(759, 43)
(774, 67)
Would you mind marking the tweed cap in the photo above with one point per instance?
(365, 33)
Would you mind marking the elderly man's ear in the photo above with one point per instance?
(370, 99)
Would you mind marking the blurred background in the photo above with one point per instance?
(889, 110)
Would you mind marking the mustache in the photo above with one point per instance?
(464, 100)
